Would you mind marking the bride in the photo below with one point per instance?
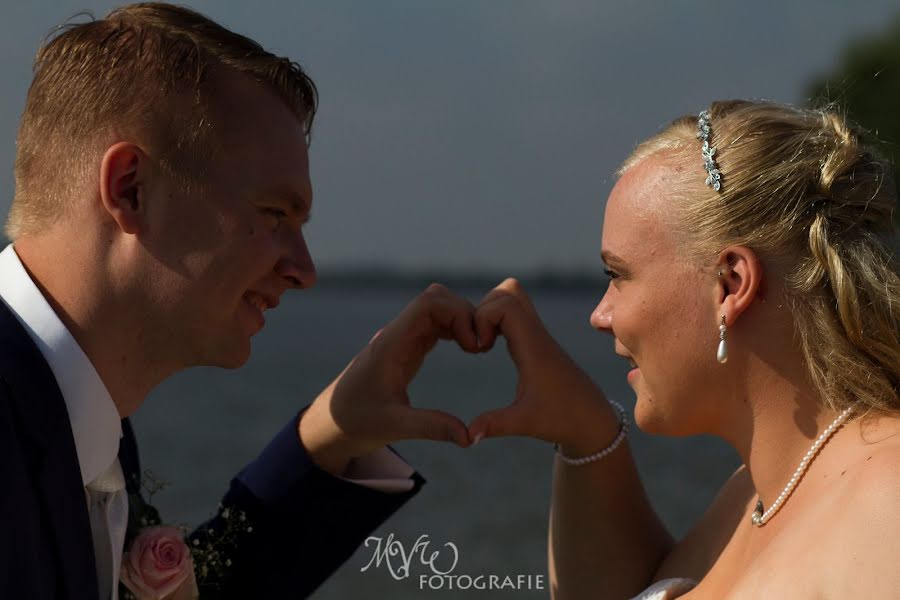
(754, 290)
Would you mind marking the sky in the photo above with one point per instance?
(482, 135)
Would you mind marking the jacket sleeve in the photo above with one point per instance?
(285, 525)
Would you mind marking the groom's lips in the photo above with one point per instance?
(260, 302)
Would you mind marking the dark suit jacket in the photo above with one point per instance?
(305, 522)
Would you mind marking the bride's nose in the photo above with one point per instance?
(601, 317)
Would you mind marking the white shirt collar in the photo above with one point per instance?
(96, 424)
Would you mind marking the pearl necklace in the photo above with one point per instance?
(759, 518)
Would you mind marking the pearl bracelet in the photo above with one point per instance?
(623, 432)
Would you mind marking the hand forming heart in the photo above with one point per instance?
(367, 405)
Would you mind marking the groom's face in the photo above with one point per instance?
(228, 255)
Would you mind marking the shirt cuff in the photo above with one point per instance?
(382, 470)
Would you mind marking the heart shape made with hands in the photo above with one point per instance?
(553, 399)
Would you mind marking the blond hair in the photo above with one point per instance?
(145, 70)
(802, 189)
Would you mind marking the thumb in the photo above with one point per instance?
(500, 422)
(427, 424)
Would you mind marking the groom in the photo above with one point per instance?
(162, 184)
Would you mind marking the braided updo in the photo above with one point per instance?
(803, 190)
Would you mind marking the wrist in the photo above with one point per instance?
(596, 431)
(325, 443)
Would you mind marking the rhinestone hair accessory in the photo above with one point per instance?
(704, 131)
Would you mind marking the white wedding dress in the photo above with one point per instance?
(666, 589)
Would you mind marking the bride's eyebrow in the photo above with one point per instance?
(610, 258)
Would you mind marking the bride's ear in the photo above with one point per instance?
(739, 281)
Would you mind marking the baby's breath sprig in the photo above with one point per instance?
(151, 484)
(211, 545)
(141, 513)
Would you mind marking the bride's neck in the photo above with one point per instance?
(778, 425)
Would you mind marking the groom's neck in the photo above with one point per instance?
(112, 332)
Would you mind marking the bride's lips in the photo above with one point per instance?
(635, 369)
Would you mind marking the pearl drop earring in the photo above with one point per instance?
(722, 350)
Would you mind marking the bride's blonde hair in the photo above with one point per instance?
(802, 189)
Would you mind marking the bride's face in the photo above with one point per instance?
(659, 308)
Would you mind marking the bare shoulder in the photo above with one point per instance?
(865, 517)
(697, 552)
(874, 485)
(875, 477)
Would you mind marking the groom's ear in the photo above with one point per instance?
(123, 171)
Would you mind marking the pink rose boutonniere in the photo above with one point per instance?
(159, 566)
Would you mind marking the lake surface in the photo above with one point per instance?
(200, 427)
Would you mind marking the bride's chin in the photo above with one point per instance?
(651, 417)
(665, 418)
(647, 419)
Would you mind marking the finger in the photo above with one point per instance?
(486, 327)
(506, 421)
(490, 313)
(427, 424)
(412, 322)
(461, 315)
(505, 316)
(447, 316)
(508, 287)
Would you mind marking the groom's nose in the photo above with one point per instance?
(296, 266)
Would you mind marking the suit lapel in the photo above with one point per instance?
(42, 412)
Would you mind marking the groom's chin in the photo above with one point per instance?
(230, 356)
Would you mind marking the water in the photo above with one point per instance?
(200, 427)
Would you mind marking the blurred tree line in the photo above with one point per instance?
(866, 84)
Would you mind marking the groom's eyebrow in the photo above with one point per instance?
(299, 205)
